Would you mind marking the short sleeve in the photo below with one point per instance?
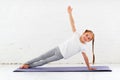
(83, 49)
(77, 34)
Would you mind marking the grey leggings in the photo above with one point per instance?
(52, 55)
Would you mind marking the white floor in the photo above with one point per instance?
(6, 73)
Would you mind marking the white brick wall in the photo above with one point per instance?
(29, 28)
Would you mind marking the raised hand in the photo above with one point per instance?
(69, 9)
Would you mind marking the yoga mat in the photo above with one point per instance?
(65, 69)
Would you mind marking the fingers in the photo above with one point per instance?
(69, 9)
(92, 68)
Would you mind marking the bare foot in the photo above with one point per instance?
(25, 66)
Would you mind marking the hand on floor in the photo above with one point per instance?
(92, 68)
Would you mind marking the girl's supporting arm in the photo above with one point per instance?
(87, 61)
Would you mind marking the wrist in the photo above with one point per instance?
(89, 67)
(70, 13)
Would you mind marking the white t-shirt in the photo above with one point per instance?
(72, 46)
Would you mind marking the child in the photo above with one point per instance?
(67, 49)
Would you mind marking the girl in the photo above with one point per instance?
(67, 49)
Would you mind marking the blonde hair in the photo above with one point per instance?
(93, 39)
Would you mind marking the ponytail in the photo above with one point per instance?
(93, 61)
(93, 55)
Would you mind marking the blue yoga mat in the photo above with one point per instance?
(65, 69)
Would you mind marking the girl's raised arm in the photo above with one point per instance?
(71, 18)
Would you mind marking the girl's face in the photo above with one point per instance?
(86, 37)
